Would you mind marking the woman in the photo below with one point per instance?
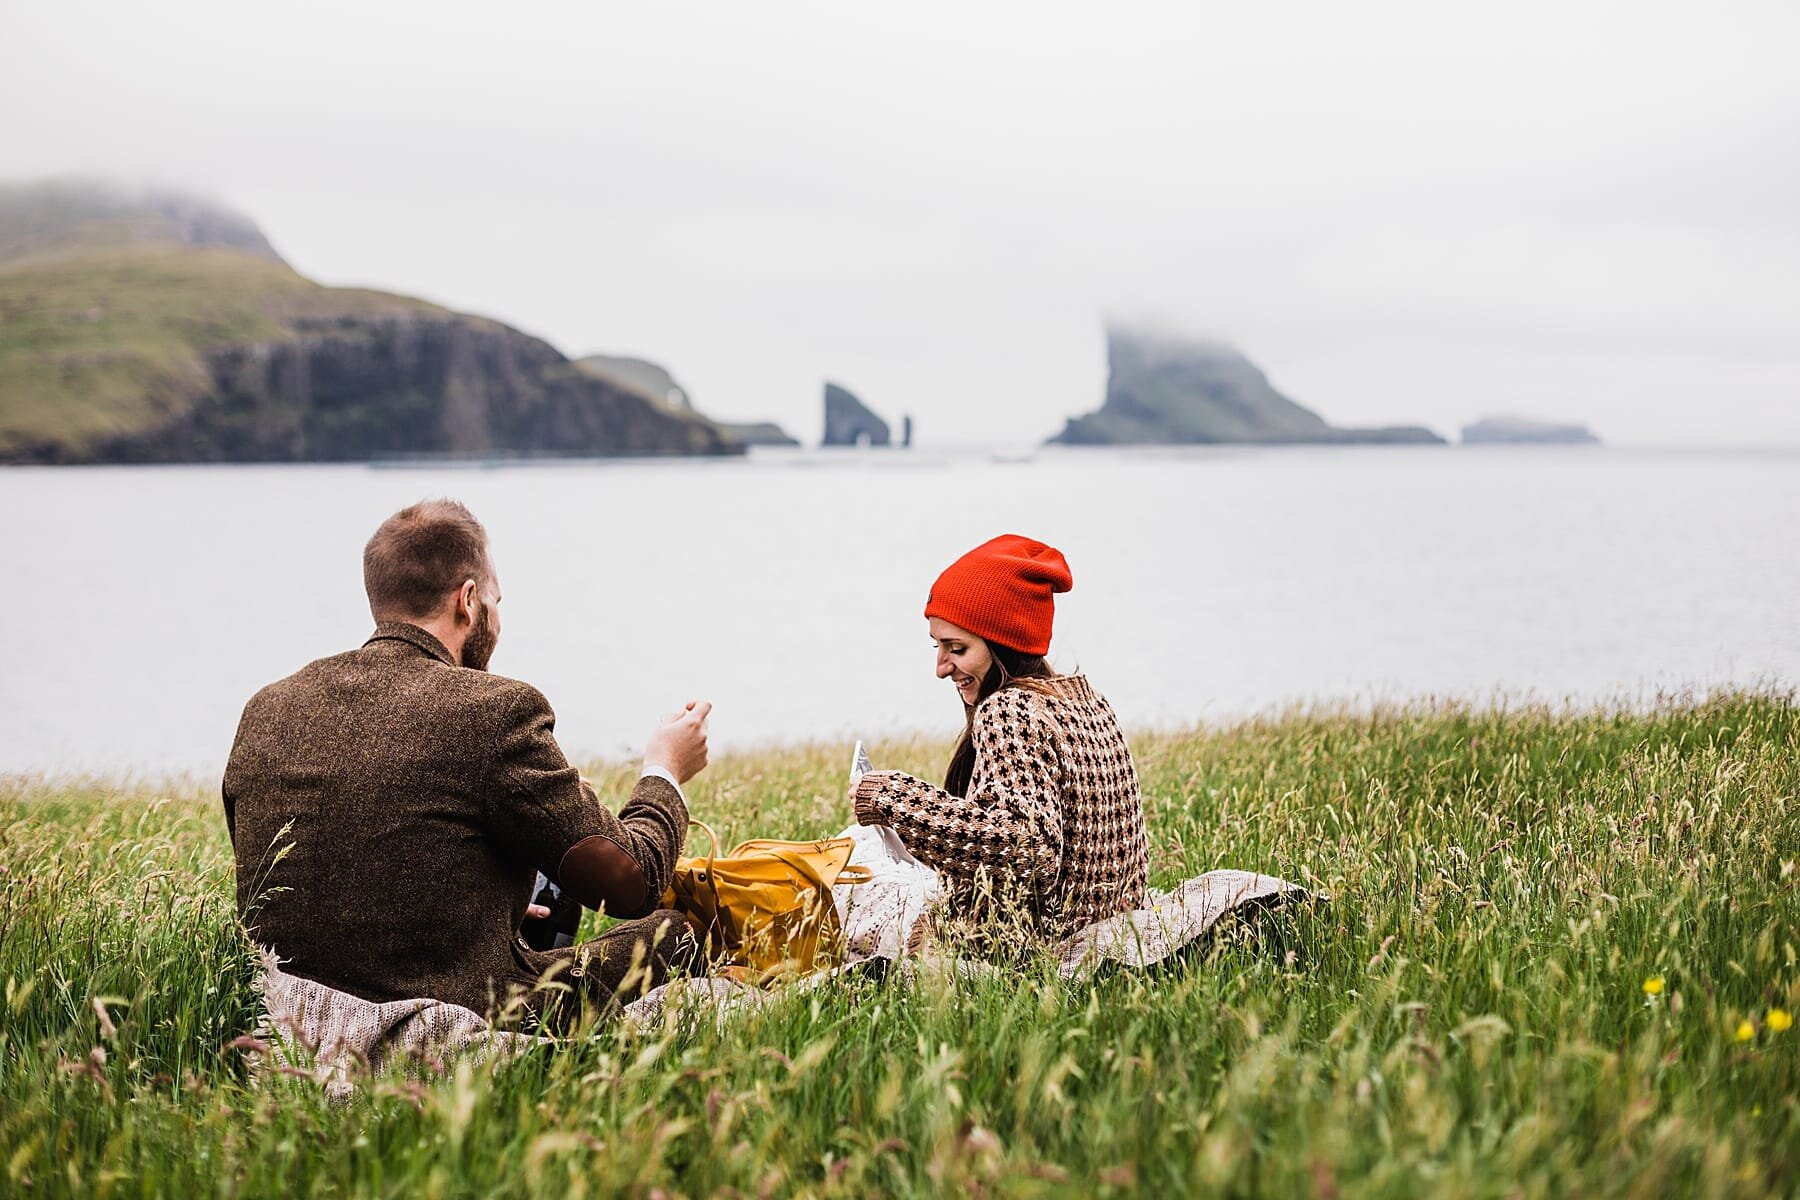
(1040, 812)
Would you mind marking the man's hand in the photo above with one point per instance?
(678, 745)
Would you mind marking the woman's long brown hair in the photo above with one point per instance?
(1011, 668)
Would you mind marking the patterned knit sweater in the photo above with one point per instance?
(1053, 819)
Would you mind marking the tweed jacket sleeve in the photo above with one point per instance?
(542, 807)
(1009, 825)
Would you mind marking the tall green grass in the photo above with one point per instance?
(1556, 962)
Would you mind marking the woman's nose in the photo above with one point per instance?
(943, 666)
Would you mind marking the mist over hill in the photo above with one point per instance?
(81, 215)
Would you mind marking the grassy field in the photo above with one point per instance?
(1559, 961)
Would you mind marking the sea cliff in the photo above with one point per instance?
(158, 328)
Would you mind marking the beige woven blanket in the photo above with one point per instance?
(332, 1038)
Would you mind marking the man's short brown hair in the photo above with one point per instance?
(419, 556)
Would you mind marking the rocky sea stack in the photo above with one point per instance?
(849, 422)
(154, 327)
(1167, 390)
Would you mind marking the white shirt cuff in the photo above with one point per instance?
(651, 769)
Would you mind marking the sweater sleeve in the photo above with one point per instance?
(1010, 824)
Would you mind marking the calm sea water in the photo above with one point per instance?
(144, 605)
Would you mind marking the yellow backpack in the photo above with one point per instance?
(767, 905)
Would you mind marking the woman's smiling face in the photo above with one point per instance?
(962, 658)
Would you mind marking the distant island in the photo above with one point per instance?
(1522, 431)
(655, 383)
(1169, 390)
(757, 433)
(143, 326)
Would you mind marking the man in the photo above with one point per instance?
(391, 807)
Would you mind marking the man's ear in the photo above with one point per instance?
(468, 602)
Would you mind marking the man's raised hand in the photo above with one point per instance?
(678, 745)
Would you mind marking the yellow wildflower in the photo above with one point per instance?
(1778, 1019)
(1653, 986)
(1745, 1030)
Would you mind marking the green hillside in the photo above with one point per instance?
(150, 327)
(105, 341)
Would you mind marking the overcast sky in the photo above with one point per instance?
(1404, 212)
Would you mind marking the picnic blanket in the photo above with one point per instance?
(1172, 921)
(311, 1031)
(331, 1037)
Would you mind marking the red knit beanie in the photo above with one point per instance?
(1000, 592)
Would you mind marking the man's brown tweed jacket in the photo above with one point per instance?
(389, 810)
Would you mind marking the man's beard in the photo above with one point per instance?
(478, 647)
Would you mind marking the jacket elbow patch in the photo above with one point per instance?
(598, 872)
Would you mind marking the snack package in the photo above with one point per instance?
(859, 764)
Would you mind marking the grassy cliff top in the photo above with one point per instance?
(99, 337)
(110, 298)
(1560, 959)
